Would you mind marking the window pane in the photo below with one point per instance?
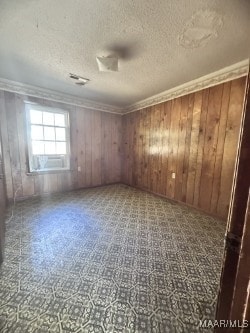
(36, 132)
(48, 138)
(36, 117)
(48, 118)
(49, 133)
(61, 148)
(59, 119)
(50, 148)
(37, 148)
(60, 134)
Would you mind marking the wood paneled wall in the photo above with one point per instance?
(195, 137)
(2, 204)
(95, 147)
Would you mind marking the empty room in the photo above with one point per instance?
(124, 166)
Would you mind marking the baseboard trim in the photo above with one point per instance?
(178, 202)
(47, 194)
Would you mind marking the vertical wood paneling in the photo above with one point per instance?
(134, 143)
(220, 146)
(145, 166)
(124, 151)
(140, 143)
(132, 152)
(5, 146)
(73, 149)
(148, 159)
(166, 148)
(80, 126)
(151, 149)
(210, 147)
(10, 107)
(195, 137)
(156, 114)
(187, 147)
(173, 147)
(230, 146)
(116, 147)
(2, 201)
(192, 162)
(106, 148)
(158, 149)
(88, 149)
(95, 148)
(200, 147)
(28, 186)
(161, 147)
(181, 147)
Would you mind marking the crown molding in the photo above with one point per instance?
(25, 89)
(226, 74)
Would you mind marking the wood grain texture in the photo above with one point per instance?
(95, 147)
(2, 204)
(241, 293)
(5, 146)
(232, 285)
(194, 136)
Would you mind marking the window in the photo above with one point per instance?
(48, 138)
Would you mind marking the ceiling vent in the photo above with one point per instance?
(80, 81)
(107, 64)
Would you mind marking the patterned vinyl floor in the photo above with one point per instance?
(109, 259)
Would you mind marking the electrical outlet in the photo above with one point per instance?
(79, 169)
(173, 175)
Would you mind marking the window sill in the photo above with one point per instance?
(42, 172)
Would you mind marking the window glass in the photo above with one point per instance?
(59, 119)
(36, 117)
(60, 134)
(48, 118)
(36, 132)
(50, 148)
(49, 133)
(61, 148)
(37, 147)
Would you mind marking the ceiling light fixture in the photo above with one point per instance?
(81, 81)
(107, 64)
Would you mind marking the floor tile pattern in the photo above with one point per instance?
(109, 259)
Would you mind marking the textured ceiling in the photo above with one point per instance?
(161, 44)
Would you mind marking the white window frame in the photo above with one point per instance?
(36, 107)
